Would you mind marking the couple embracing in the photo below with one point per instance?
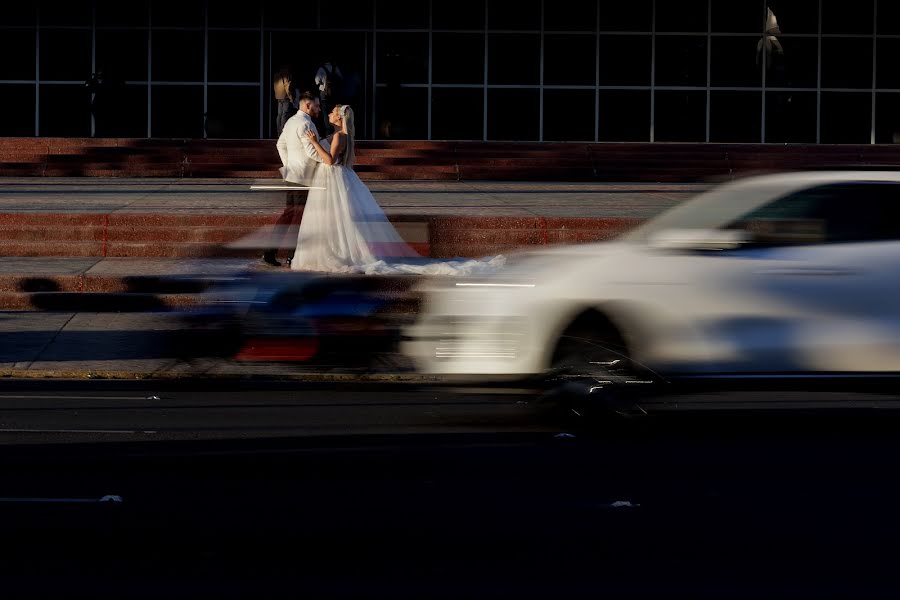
(343, 228)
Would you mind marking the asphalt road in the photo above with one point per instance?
(395, 492)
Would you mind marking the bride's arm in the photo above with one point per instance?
(322, 152)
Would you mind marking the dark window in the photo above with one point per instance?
(680, 116)
(233, 56)
(177, 111)
(242, 14)
(390, 14)
(347, 14)
(284, 54)
(402, 58)
(177, 56)
(887, 117)
(301, 15)
(122, 54)
(846, 118)
(65, 111)
(735, 116)
(514, 59)
(735, 62)
(17, 50)
(177, 13)
(19, 13)
(847, 62)
(115, 13)
(684, 15)
(457, 114)
(681, 60)
(575, 15)
(65, 54)
(232, 112)
(635, 15)
(888, 17)
(127, 113)
(792, 62)
(402, 113)
(738, 16)
(791, 117)
(888, 76)
(842, 17)
(847, 212)
(569, 115)
(625, 59)
(457, 58)
(514, 114)
(624, 116)
(570, 59)
(796, 16)
(461, 14)
(64, 13)
(523, 15)
(17, 116)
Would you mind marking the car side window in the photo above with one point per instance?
(846, 212)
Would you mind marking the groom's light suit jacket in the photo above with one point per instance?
(297, 153)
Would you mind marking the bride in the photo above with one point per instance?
(344, 230)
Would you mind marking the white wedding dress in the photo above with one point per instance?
(344, 230)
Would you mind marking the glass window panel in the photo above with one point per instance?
(738, 16)
(888, 76)
(300, 15)
(461, 14)
(242, 14)
(681, 60)
(65, 13)
(65, 54)
(17, 116)
(791, 117)
(888, 17)
(569, 115)
(457, 58)
(232, 112)
(177, 13)
(402, 113)
(513, 114)
(390, 14)
(578, 15)
(303, 64)
(127, 113)
(680, 116)
(177, 111)
(843, 17)
(684, 15)
(402, 57)
(624, 116)
(570, 59)
(525, 15)
(347, 14)
(792, 62)
(177, 55)
(457, 114)
(233, 56)
(17, 49)
(514, 59)
(115, 13)
(122, 54)
(635, 15)
(887, 117)
(847, 62)
(735, 62)
(18, 13)
(846, 118)
(735, 116)
(625, 59)
(74, 121)
(796, 16)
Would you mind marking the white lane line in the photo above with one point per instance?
(115, 431)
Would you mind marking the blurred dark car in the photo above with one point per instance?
(321, 319)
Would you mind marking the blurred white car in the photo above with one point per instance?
(775, 276)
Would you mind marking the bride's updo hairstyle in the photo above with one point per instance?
(349, 129)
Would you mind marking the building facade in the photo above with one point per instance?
(749, 71)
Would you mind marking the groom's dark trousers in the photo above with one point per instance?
(287, 225)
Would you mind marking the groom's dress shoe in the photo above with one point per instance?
(269, 259)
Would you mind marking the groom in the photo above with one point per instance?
(300, 161)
